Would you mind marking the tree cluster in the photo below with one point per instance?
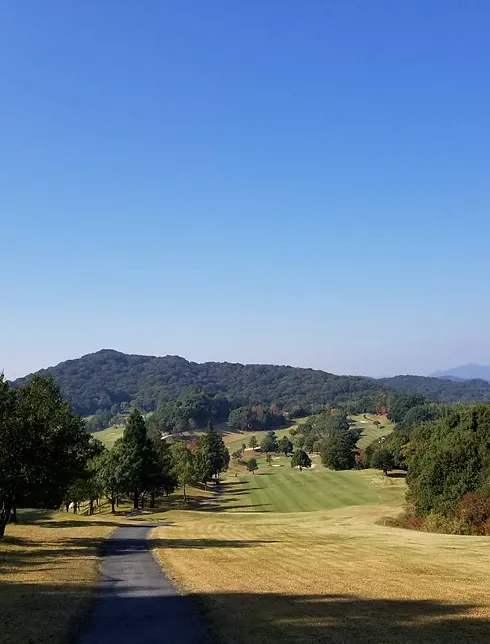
(329, 433)
(256, 417)
(448, 459)
(43, 447)
(193, 409)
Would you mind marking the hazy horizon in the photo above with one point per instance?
(286, 183)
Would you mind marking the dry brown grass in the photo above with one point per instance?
(334, 576)
(48, 574)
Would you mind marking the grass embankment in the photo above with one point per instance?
(48, 575)
(329, 576)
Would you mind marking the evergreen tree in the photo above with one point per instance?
(300, 459)
(140, 459)
(111, 475)
(214, 454)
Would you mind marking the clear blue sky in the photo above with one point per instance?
(304, 183)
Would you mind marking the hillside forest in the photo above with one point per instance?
(108, 384)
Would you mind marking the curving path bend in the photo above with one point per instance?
(137, 603)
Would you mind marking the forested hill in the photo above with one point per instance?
(103, 379)
(441, 389)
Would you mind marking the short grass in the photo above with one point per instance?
(48, 575)
(370, 431)
(333, 576)
(281, 488)
(110, 435)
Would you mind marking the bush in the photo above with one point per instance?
(403, 520)
(474, 509)
(435, 522)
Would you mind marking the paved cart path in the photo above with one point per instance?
(137, 603)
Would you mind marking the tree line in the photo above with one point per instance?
(110, 381)
(48, 460)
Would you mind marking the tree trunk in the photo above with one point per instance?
(5, 510)
(185, 497)
(152, 500)
(13, 515)
(113, 503)
(117, 501)
(90, 507)
(67, 506)
(135, 499)
(385, 472)
(74, 507)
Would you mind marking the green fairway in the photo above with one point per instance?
(110, 435)
(371, 431)
(281, 488)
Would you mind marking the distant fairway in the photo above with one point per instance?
(281, 488)
(370, 431)
(110, 435)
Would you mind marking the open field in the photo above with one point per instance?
(48, 574)
(370, 431)
(330, 576)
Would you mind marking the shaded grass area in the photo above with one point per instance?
(48, 551)
(334, 576)
(370, 431)
(304, 618)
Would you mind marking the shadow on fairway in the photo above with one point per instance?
(274, 618)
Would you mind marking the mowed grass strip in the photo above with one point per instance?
(331, 576)
(281, 488)
(48, 576)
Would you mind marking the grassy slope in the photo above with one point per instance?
(330, 576)
(110, 435)
(370, 431)
(48, 573)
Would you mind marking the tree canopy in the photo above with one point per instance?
(109, 381)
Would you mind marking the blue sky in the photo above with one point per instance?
(302, 183)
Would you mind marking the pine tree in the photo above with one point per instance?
(140, 459)
(214, 454)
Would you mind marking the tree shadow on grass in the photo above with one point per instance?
(136, 616)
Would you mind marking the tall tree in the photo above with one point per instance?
(111, 474)
(214, 454)
(140, 458)
(285, 446)
(43, 446)
(183, 465)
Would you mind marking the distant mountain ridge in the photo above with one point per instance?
(465, 372)
(107, 378)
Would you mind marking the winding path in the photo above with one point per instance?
(137, 603)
